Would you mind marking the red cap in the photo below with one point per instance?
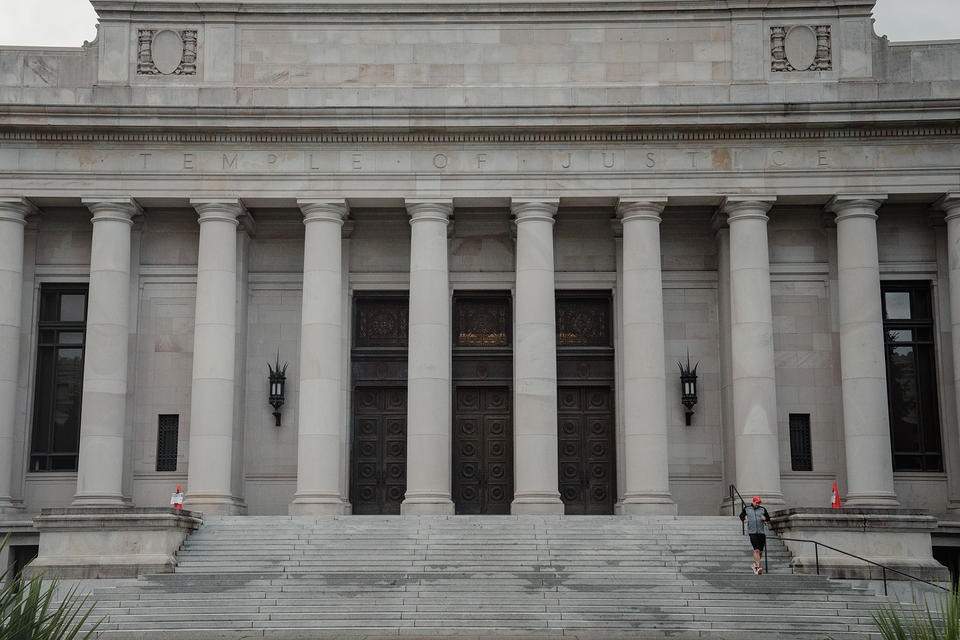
(756, 499)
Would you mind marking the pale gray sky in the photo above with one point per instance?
(67, 23)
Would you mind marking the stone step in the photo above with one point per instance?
(610, 577)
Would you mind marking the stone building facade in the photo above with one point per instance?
(481, 236)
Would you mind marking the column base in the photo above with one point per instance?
(872, 501)
(427, 505)
(650, 504)
(214, 504)
(311, 504)
(10, 507)
(537, 504)
(105, 500)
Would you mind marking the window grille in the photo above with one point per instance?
(168, 436)
(801, 453)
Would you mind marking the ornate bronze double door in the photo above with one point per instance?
(483, 460)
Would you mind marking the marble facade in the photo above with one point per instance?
(227, 178)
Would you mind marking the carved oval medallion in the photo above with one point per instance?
(801, 47)
(167, 51)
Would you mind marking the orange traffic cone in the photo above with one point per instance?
(835, 498)
(177, 499)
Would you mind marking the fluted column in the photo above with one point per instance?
(320, 423)
(428, 371)
(13, 213)
(646, 472)
(863, 372)
(214, 360)
(756, 439)
(535, 361)
(104, 400)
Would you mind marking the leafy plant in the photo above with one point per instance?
(895, 622)
(31, 610)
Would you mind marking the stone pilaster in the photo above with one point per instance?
(428, 377)
(321, 428)
(646, 472)
(866, 423)
(535, 361)
(756, 440)
(104, 400)
(13, 213)
(210, 465)
(950, 205)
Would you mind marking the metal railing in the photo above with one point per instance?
(884, 568)
(816, 551)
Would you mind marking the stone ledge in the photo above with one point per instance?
(88, 542)
(898, 538)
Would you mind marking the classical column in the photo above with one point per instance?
(428, 370)
(756, 439)
(535, 361)
(210, 464)
(104, 400)
(950, 205)
(13, 213)
(863, 372)
(321, 427)
(646, 472)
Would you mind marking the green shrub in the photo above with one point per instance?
(896, 622)
(30, 610)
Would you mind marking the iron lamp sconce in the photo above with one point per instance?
(278, 382)
(688, 386)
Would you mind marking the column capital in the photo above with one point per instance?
(742, 207)
(222, 209)
(855, 205)
(439, 209)
(115, 208)
(641, 208)
(325, 209)
(525, 209)
(949, 204)
(16, 209)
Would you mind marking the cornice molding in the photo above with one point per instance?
(300, 11)
(632, 123)
(481, 137)
(573, 137)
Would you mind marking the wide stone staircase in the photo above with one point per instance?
(479, 576)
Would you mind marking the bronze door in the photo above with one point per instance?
(482, 450)
(587, 446)
(379, 451)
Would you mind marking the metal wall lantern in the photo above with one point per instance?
(688, 386)
(278, 381)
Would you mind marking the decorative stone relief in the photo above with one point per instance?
(167, 52)
(801, 48)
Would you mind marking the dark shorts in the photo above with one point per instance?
(758, 540)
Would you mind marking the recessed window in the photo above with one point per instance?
(801, 451)
(911, 376)
(55, 441)
(168, 438)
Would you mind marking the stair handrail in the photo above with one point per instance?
(743, 503)
(884, 568)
